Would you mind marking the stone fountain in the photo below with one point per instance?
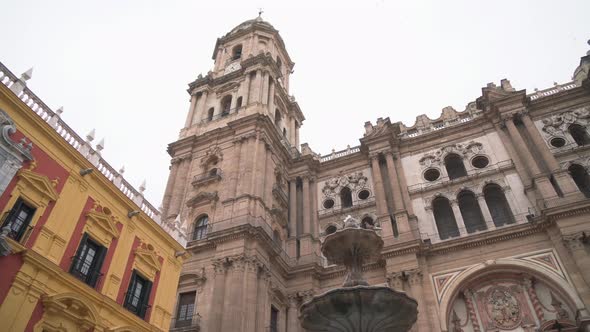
(356, 306)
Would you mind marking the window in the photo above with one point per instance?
(18, 220)
(331, 229)
(225, 105)
(276, 236)
(285, 132)
(431, 174)
(498, 205)
(138, 294)
(210, 114)
(201, 228)
(236, 52)
(88, 261)
(274, 319)
(186, 309)
(579, 134)
(454, 166)
(345, 197)
(444, 218)
(581, 178)
(239, 102)
(480, 162)
(277, 118)
(279, 63)
(328, 204)
(471, 212)
(363, 194)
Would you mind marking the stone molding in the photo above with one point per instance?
(576, 241)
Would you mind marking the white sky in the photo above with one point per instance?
(122, 67)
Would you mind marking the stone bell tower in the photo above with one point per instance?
(241, 131)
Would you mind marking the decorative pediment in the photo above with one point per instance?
(435, 158)
(102, 227)
(40, 183)
(146, 261)
(279, 215)
(354, 181)
(69, 307)
(202, 198)
(557, 125)
(212, 155)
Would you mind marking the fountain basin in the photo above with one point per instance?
(359, 309)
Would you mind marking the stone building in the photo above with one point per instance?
(484, 212)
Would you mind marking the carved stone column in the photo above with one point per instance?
(314, 208)
(218, 297)
(170, 186)
(251, 294)
(264, 92)
(398, 203)
(293, 208)
(458, 217)
(271, 95)
(396, 280)
(233, 308)
(485, 211)
(530, 289)
(292, 313)
(563, 179)
(246, 90)
(545, 188)
(306, 209)
(255, 87)
(403, 185)
(378, 186)
(200, 107)
(179, 188)
(191, 111)
(235, 174)
(263, 311)
(575, 244)
(415, 281)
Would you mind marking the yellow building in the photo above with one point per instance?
(81, 249)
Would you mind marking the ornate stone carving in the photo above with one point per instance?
(575, 241)
(414, 276)
(202, 198)
(456, 322)
(560, 312)
(212, 155)
(503, 307)
(435, 158)
(396, 280)
(557, 125)
(354, 181)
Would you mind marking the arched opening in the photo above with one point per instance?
(200, 231)
(213, 172)
(279, 63)
(345, 197)
(239, 102)
(210, 113)
(444, 218)
(226, 105)
(276, 236)
(367, 223)
(471, 212)
(498, 205)
(454, 166)
(581, 178)
(579, 134)
(236, 52)
(284, 132)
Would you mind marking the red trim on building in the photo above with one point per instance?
(10, 264)
(127, 274)
(154, 290)
(40, 223)
(108, 259)
(35, 316)
(76, 236)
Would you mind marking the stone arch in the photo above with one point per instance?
(122, 329)
(470, 211)
(455, 165)
(547, 276)
(200, 227)
(70, 309)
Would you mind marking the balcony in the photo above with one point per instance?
(280, 194)
(206, 178)
(186, 324)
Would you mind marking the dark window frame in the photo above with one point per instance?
(88, 271)
(186, 309)
(200, 231)
(138, 304)
(14, 216)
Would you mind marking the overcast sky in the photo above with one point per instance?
(122, 67)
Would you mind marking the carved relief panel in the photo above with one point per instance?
(343, 191)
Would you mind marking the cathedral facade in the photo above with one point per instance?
(485, 213)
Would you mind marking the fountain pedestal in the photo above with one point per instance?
(356, 306)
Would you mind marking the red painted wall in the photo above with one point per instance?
(9, 266)
(35, 316)
(76, 236)
(127, 274)
(153, 293)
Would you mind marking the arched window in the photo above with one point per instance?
(579, 134)
(454, 166)
(239, 102)
(331, 229)
(236, 52)
(471, 212)
(498, 205)
(200, 231)
(284, 132)
(225, 105)
(345, 197)
(210, 113)
(444, 218)
(581, 178)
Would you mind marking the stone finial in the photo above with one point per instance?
(59, 111)
(100, 145)
(200, 76)
(27, 75)
(368, 127)
(351, 222)
(506, 86)
(142, 187)
(122, 170)
(90, 135)
(55, 118)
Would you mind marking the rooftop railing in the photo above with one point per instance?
(341, 153)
